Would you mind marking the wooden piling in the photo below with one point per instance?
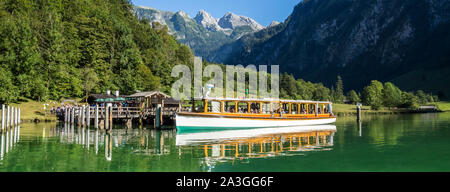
(88, 116)
(72, 115)
(17, 116)
(19, 121)
(96, 117)
(358, 112)
(83, 114)
(79, 116)
(65, 114)
(110, 117)
(12, 117)
(8, 114)
(3, 117)
(106, 117)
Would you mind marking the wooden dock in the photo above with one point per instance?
(104, 117)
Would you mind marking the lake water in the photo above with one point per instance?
(418, 142)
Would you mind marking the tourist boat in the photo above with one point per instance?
(233, 113)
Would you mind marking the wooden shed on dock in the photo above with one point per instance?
(153, 98)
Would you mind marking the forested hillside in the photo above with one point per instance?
(405, 42)
(53, 49)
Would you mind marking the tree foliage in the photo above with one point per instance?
(53, 49)
(373, 95)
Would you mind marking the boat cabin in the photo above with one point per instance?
(285, 108)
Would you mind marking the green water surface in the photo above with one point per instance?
(418, 142)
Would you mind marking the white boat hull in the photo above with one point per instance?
(187, 121)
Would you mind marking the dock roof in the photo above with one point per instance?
(149, 94)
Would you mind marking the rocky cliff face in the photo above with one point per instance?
(399, 41)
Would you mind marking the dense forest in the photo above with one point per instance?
(53, 49)
(375, 94)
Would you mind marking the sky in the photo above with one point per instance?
(262, 11)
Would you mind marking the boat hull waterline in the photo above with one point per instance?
(185, 122)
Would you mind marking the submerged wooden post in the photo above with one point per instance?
(88, 116)
(3, 117)
(96, 117)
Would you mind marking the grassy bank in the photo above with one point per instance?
(33, 111)
(443, 105)
(348, 109)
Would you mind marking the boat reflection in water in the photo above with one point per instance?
(223, 146)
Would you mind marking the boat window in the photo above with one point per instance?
(199, 106)
(254, 108)
(229, 107)
(242, 107)
(214, 106)
(326, 108)
(294, 108)
(275, 108)
(311, 108)
(266, 108)
(303, 109)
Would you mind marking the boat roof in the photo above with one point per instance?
(265, 100)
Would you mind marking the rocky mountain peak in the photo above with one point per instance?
(183, 14)
(231, 21)
(274, 23)
(206, 20)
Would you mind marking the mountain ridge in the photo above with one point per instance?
(359, 40)
(203, 33)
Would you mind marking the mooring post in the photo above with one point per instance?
(65, 115)
(72, 115)
(83, 115)
(96, 117)
(358, 111)
(8, 114)
(69, 117)
(110, 117)
(3, 117)
(19, 117)
(106, 117)
(88, 116)
(79, 116)
(12, 117)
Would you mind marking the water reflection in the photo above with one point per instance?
(219, 145)
(9, 138)
(243, 145)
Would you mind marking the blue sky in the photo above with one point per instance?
(263, 11)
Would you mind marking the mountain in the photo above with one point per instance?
(207, 21)
(233, 21)
(203, 33)
(406, 42)
(274, 23)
